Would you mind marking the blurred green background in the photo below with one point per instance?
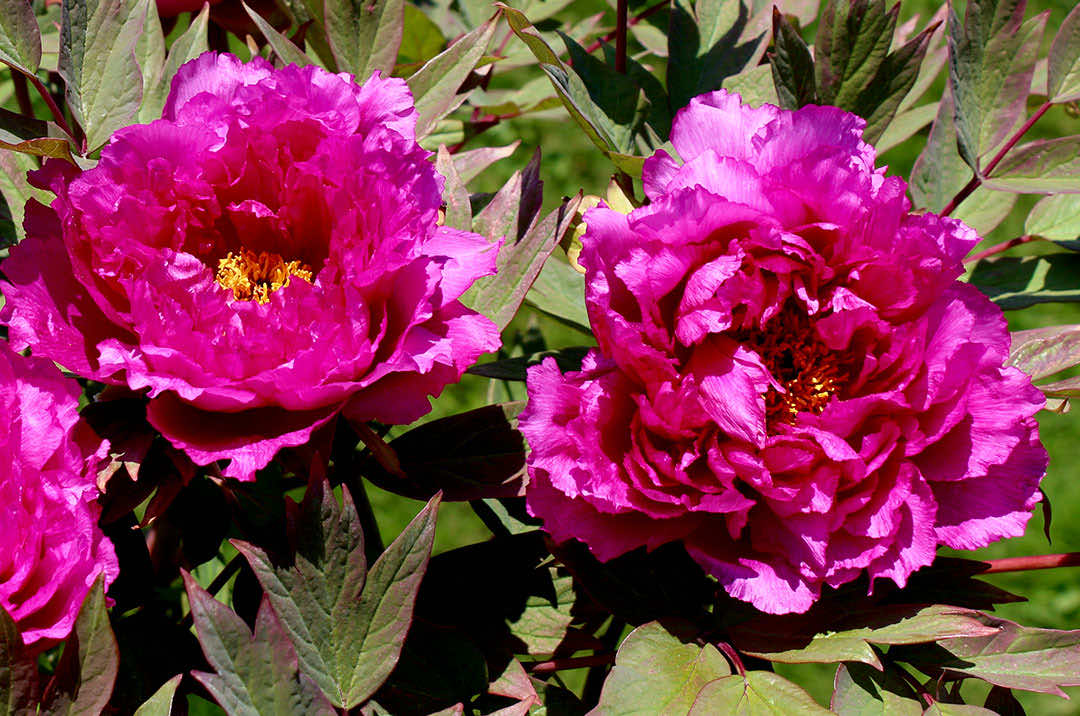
(570, 163)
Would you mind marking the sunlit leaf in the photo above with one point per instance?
(97, 62)
(20, 39)
(283, 47)
(1063, 62)
(188, 46)
(1041, 352)
(1045, 166)
(435, 85)
(1056, 218)
(364, 34)
(656, 673)
(861, 690)
(1015, 657)
(760, 693)
(771, 637)
(991, 59)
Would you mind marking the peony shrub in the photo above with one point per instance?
(790, 380)
(262, 258)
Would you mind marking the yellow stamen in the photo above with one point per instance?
(809, 372)
(253, 277)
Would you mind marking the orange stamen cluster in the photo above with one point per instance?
(810, 373)
(253, 277)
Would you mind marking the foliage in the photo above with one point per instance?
(278, 596)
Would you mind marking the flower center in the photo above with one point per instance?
(253, 277)
(810, 372)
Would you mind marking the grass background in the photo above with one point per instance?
(570, 163)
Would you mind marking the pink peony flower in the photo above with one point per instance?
(260, 259)
(51, 548)
(790, 379)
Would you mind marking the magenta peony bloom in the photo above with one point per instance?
(51, 548)
(790, 379)
(262, 258)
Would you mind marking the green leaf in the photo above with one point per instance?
(880, 100)
(346, 623)
(150, 46)
(97, 62)
(1045, 166)
(1055, 218)
(455, 195)
(792, 66)
(188, 46)
(20, 39)
(598, 127)
(420, 41)
(364, 34)
(1014, 657)
(939, 172)
(861, 690)
(940, 708)
(771, 637)
(515, 368)
(472, 163)
(905, 125)
(15, 188)
(559, 291)
(617, 95)
(18, 671)
(283, 47)
(1063, 62)
(1019, 282)
(1041, 352)
(852, 41)
(991, 60)
(1068, 388)
(760, 693)
(469, 456)
(656, 673)
(755, 85)
(253, 673)
(513, 212)
(435, 86)
(160, 704)
(985, 209)
(706, 43)
(87, 670)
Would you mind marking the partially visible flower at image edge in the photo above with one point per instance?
(263, 258)
(789, 379)
(51, 548)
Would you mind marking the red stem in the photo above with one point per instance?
(22, 93)
(976, 180)
(1038, 561)
(620, 36)
(573, 662)
(998, 248)
(647, 12)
